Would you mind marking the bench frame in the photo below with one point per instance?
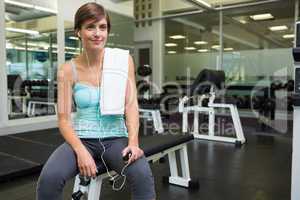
(210, 110)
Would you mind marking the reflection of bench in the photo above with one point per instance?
(154, 115)
(155, 147)
(20, 101)
(32, 105)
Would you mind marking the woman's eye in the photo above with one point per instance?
(103, 27)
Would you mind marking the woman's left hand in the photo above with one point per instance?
(135, 151)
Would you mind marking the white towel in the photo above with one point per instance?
(114, 81)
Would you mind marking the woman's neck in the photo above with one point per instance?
(93, 58)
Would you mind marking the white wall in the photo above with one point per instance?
(3, 81)
(155, 35)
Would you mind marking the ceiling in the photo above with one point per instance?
(204, 26)
(237, 35)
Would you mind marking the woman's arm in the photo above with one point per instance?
(132, 115)
(65, 79)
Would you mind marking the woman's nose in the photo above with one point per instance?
(97, 32)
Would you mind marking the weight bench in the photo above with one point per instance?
(155, 147)
(205, 87)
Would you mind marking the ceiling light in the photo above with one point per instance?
(73, 38)
(189, 48)
(171, 52)
(215, 47)
(242, 21)
(203, 3)
(71, 48)
(264, 16)
(18, 30)
(26, 5)
(200, 42)
(45, 9)
(228, 49)
(177, 37)
(202, 50)
(288, 36)
(171, 44)
(278, 28)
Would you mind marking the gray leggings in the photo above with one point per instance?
(62, 166)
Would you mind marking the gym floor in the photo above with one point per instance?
(260, 170)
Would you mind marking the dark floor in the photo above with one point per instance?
(260, 170)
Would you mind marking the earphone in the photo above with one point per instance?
(115, 177)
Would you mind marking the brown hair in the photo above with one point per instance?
(90, 11)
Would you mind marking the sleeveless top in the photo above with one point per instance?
(88, 121)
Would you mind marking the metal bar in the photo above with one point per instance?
(220, 66)
(246, 4)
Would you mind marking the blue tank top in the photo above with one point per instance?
(88, 121)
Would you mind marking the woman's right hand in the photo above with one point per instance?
(86, 163)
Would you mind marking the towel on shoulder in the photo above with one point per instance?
(114, 81)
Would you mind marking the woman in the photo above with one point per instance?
(92, 140)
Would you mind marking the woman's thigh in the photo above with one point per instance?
(138, 173)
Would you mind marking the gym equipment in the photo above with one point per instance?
(295, 192)
(155, 148)
(149, 108)
(206, 84)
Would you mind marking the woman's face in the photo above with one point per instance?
(94, 34)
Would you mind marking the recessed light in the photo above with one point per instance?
(18, 30)
(288, 36)
(189, 48)
(171, 52)
(242, 21)
(203, 3)
(215, 47)
(171, 44)
(27, 5)
(73, 38)
(202, 50)
(24, 5)
(278, 28)
(264, 16)
(177, 37)
(200, 42)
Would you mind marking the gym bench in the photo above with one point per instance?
(155, 147)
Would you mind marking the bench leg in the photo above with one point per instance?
(185, 122)
(95, 188)
(237, 124)
(185, 170)
(92, 190)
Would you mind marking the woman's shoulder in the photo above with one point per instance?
(65, 70)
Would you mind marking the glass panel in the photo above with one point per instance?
(258, 59)
(31, 61)
(190, 46)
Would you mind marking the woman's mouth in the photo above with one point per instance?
(97, 41)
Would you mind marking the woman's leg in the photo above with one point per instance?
(60, 167)
(138, 174)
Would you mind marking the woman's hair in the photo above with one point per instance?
(90, 11)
